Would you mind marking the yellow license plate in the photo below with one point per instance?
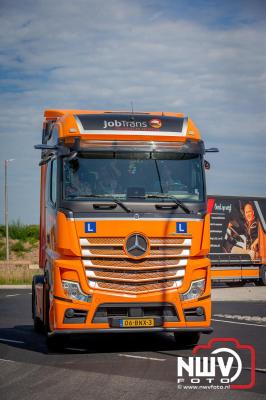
(136, 323)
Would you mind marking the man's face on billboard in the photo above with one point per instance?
(249, 213)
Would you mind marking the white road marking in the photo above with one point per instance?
(238, 323)
(12, 295)
(141, 357)
(257, 369)
(75, 349)
(249, 318)
(11, 341)
(3, 359)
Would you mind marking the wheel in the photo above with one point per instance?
(236, 284)
(55, 343)
(37, 322)
(46, 308)
(187, 339)
(262, 280)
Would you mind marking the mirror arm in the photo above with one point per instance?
(45, 147)
(212, 150)
(44, 161)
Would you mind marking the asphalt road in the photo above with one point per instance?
(122, 366)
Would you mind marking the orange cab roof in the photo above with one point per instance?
(123, 125)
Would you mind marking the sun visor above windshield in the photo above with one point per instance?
(117, 146)
(132, 124)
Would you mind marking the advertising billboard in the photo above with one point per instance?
(238, 229)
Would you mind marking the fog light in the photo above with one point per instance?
(199, 311)
(69, 313)
(73, 290)
(196, 289)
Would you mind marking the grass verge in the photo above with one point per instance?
(17, 275)
(19, 231)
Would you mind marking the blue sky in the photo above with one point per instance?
(204, 58)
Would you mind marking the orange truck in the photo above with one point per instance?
(238, 239)
(124, 228)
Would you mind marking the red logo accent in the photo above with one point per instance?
(211, 203)
(155, 123)
(237, 346)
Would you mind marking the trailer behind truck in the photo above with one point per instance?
(238, 239)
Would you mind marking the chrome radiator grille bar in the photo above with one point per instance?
(109, 267)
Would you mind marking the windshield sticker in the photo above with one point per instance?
(181, 227)
(90, 227)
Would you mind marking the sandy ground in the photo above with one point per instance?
(246, 293)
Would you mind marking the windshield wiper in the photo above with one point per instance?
(165, 196)
(106, 196)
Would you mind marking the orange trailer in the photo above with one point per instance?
(125, 232)
(238, 239)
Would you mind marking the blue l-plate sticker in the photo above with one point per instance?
(181, 227)
(90, 227)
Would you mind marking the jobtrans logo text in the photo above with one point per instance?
(124, 124)
(223, 363)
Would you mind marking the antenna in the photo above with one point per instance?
(132, 109)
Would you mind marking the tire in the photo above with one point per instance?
(236, 284)
(37, 322)
(46, 308)
(187, 339)
(55, 343)
(262, 280)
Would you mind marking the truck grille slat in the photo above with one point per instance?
(110, 263)
(110, 252)
(134, 288)
(109, 267)
(120, 241)
(135, 276)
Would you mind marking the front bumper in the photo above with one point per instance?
(185, 321)
(208, 330)
(91, 324)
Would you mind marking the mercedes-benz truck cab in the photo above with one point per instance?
(124, 228)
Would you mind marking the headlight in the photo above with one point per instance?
(72, 290)
(196, 289)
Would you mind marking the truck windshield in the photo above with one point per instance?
(133, 175)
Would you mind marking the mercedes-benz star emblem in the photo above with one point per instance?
(136, 245)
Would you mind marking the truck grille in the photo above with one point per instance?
(108, 267)
(107, 311)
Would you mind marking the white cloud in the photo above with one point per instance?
(98, 54)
